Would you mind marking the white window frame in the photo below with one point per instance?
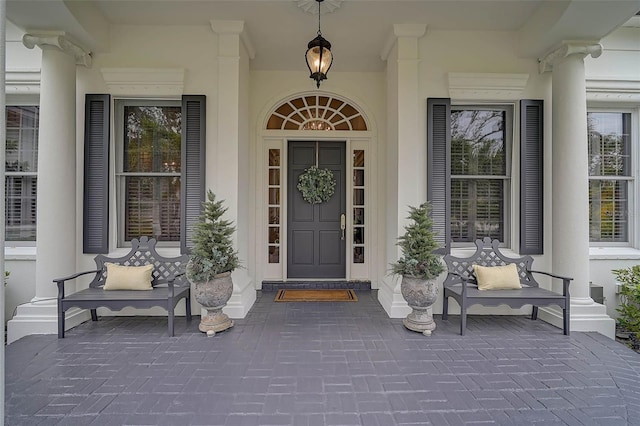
(510, 127)
(633, 237)
(119, 187)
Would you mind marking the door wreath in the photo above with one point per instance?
(316, 185)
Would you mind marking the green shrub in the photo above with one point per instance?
(629, 309)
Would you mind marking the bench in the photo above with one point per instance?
(169, 285)
(461, 285)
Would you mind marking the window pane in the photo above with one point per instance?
(358, 216)
(358, 235)
(477, 209)
(609, 144)
(152, 207)
(274, 254)
(274, 215)
(358, 158)
(274, 195)
(20, 208)
(477, 142)
(358, 255)
(274, 235)
(358, 178)
(22, 139)
(608, 210)
(21, 163)
(152, 139)
(358, 197)
(274, 176)
(274, 157)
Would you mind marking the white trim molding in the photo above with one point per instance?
(566, 49)
(144, 81)
(609, 90)
(58, 40)
(482, 86)
(22, 82)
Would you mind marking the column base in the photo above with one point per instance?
(589, 317)
(391, 299)
(42, 318)
(243, 297)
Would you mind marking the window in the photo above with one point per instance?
(160, 182)
(149, 170)
(21, 172)
(469, 172)
(610, 177)
(480, 141)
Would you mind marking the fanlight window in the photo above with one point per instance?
(316, 112)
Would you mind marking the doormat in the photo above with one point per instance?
(305, 295)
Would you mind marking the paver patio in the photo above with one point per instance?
(321, 364)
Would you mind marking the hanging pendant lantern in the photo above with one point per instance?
(318, 56)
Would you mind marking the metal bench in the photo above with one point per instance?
(168, 281)
(461, 285)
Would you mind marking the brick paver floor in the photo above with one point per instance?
(321, 364)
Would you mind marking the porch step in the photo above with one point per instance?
(353, 285)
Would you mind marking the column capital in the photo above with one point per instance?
(60, 41)
(569, 48)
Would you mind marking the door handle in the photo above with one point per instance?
(343, 224)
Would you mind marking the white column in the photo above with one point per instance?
(570, 185)
(406, 166)
(56, 200)
(229, 158)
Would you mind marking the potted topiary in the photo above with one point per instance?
(419, 267)
(211, 262)
(629, 309)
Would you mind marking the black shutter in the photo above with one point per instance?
(439, 167)
(531, 176)
(96, 174)
(193, 166)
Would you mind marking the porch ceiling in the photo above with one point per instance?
(358, 29)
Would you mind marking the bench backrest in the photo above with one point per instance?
(143, 252)
(487, 254)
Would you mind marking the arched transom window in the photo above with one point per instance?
(316, 112)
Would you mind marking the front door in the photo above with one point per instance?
(316, 236)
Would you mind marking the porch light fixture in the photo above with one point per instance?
(319, 57)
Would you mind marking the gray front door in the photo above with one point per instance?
(316, 242)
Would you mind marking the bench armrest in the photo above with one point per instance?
(60, 281)
(170, 282)
(565, 281)
(464, 280)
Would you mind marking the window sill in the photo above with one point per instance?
(20, 253)
(613, 253)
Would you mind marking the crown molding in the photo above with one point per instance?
(144, 81)
(486, 86)
(610, 90)
(22, 82)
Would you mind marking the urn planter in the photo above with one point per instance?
(213, 295)
(420, 295)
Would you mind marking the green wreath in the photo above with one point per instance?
(316, 185)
